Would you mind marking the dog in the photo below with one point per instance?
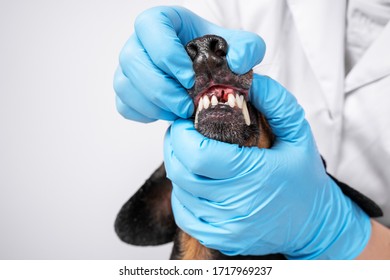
(222, 112)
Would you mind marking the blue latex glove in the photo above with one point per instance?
(251, 201)
(155, 69)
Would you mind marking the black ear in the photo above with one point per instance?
(146, 218)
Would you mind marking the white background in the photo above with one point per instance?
(68, 160)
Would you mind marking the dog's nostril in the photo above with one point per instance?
(192, 49)
(218, 46)
(207, 47)
(220, 53)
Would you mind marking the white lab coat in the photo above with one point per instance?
(349, 115)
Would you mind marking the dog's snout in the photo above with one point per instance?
(207, 52)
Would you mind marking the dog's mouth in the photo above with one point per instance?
(223, 113)
(222, 102)
(222, 110)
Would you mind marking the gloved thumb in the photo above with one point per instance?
(281, 109)
(246, 50)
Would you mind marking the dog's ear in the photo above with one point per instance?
(146, 218)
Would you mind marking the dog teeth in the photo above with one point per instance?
(200, 108)
(231, 100)
(246, 113)
(239, 100)
(206, 102)
(196, 118)
(214, 101)
(234, 100)
(200, 104)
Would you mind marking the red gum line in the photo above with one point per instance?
(209, 89)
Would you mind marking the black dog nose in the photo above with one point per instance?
(207, 53)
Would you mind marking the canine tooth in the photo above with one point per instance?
(214, 101)
(200, 104)
(196, 118)
(206, 102)
(246, 113)
(231, 100)
(239, 100)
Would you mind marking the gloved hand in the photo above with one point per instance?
(155, 69)
(251, 201)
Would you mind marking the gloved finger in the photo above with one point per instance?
(240, 195)
(158, 29)
(237, 206)
(204, 232)
(211, 158)
(173, 27)
(129, 113)
(219, 191)
(150, 83)
(233, 206)
(285, 116)
(206, 210)
(127, 93)
(246, 50)
(197, 186)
